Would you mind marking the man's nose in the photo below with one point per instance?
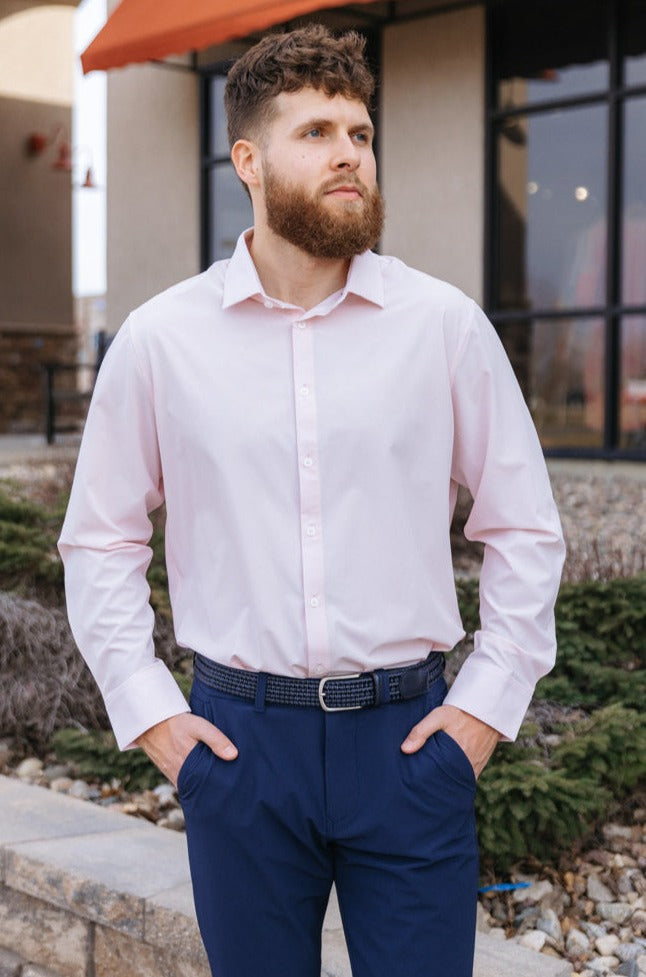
(346, 154)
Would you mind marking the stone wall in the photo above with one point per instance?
(22, 379)
(87, 892)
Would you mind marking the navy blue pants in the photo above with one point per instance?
(315, 798)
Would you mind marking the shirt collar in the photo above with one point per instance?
(241, 279)
(365, 278)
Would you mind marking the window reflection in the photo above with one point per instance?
(219, 140)
(552, 209)
(230, 210)
(634, 211)
(632, 419)
(634, 37)
(553, 165)
(552, 83)
(559, 364)
(560, 52)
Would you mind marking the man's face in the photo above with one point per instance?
(319, 174)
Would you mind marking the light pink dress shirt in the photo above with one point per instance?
(309, 462)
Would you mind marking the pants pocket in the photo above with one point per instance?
(190, 764)
(453, 760)
(197, 760)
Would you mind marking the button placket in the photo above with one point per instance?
(310, 498)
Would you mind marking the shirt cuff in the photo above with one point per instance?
(143, 700)
(492, 694)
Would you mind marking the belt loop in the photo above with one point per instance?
(261, 687)
(382, 687)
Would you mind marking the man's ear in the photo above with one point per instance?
(245, 156)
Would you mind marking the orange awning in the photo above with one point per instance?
(142, 30)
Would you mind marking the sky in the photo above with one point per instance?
(89, 141)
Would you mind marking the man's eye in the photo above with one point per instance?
(362, 137)
(314, 133)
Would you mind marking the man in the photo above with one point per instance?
(307, 411)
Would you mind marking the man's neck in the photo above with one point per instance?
(290, 274)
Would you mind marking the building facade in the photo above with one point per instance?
(512, 156)
(36, 302)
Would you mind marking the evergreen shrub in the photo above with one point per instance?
(601, 637)
(29, 560)
(534, 801)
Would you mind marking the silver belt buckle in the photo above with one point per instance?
(335, 678)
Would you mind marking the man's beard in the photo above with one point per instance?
(324, 230)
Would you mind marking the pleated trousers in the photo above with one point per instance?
(315, 798)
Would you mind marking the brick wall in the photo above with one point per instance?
(22, 354)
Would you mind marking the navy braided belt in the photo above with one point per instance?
(332, 693)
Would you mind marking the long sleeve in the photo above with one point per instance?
(498, 457)
(104, 547)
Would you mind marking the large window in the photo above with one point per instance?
(226, 208)
(566, 269)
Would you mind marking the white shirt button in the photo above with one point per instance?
(304, 390)
(267, 304)
(308, 462)
(299, 325)
(319, 669)
(314, 601)
(311, 530)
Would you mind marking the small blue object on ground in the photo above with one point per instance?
(505, 886)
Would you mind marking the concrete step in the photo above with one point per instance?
(493, 957)
(84, 889)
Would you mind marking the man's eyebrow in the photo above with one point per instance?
(319, 123)
(366, 127)
(322, 123)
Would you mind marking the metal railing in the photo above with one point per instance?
(56, 397)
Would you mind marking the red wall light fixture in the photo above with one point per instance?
(39, 143)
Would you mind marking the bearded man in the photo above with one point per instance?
(307, 410)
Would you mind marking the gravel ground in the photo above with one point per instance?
(603, 513)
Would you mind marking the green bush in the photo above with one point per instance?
(157, 575)
(601, 637)
(96, 757)
(608, 747)
(526, 807)
(534, 800)
(29, 560)
(530, 802)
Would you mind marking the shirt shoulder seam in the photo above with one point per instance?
(463, 342)
(137, 358)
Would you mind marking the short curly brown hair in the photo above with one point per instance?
(310, 56)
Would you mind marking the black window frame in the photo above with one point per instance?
(208, 160)
(613, 311)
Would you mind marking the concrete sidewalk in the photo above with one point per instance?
(89, 891)
(30, 449)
